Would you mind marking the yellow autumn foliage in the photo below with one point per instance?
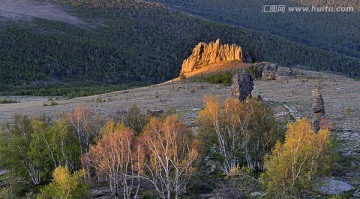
(295, 164)
(65, 185)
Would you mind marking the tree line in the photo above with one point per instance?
(135, 154)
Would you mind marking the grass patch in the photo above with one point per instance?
(52, 103)
(69, 89)
(8, 101)
(224, 78)
(252, 70)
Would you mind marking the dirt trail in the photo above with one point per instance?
(27, 9)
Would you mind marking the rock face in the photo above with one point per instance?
(318, 110)
(243, 84)
(205, 54)
(267, 71)
(331, 186)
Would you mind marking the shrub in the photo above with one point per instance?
(8, 101)
(347, 111)
(65, 185)
(135, 119)
(252, 70)
(53, 103)
(224, 78)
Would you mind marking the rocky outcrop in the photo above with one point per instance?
(205, 54)
(243, 84)
(269, 71)
(318, 110)
(331, 186)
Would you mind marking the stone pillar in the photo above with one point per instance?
(243, 84)
(318, 110)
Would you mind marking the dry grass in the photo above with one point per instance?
(341, 96)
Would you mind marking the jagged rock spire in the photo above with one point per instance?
(205, 54)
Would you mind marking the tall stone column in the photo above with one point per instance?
(243, 84)
(318, 110)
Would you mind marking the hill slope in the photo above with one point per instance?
(334, 32)
(128, 45)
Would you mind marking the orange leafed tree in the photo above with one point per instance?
(112, 157)
(170, 153)
(85, 126)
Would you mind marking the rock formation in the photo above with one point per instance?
(329, 185)
(205, 54)
(267, 71)
(242, 86)
(318, 110)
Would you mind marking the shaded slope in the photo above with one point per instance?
(335, 32)
(128, 45)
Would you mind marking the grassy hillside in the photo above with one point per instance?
(334, 32)
(128, 45)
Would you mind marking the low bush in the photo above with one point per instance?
(8, 101)
(224, 78)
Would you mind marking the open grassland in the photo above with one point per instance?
(340, 94)
(287, 97)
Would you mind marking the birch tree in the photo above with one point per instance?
(33, 147)
(170, 153)
(14, 147)
(296, 163)
(222, 129)
(261, 133)
(112, 157)
(85, 126)
(237, 131)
